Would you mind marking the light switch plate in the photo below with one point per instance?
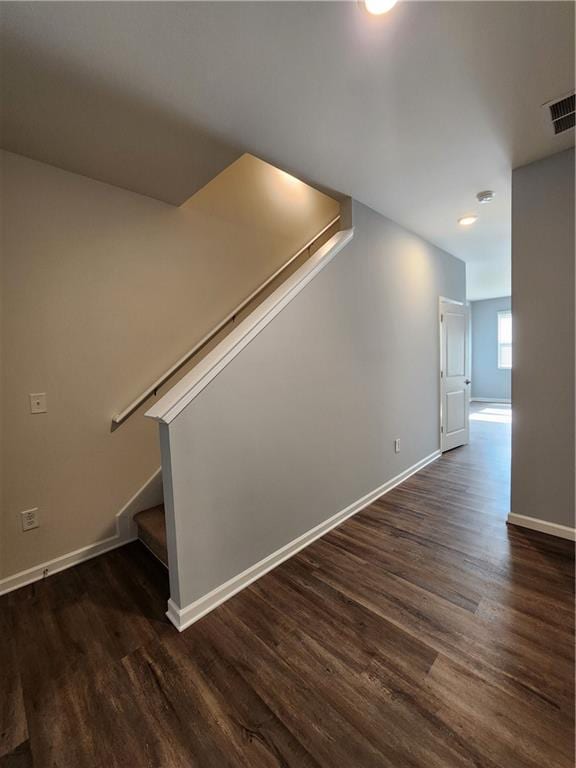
(38, 403)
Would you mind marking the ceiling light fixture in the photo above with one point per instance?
(378, 7)
(485, 197)
(466, 221)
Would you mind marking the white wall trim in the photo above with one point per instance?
(50, 567)
(144, 498)
(184, 617)
(553, 529)
(182, 393)
(150, 494)
(490, 400)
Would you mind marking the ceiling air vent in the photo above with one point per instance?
(562, 113)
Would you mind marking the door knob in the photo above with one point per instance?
(467, 381)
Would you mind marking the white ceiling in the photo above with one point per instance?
(411, 113)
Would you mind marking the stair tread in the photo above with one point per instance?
(152, 531)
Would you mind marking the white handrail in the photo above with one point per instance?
(182, 393)
(137, 402)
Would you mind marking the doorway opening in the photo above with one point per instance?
(475, 393)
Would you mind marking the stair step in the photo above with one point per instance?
(152, 531)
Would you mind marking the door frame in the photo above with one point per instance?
(464, 304)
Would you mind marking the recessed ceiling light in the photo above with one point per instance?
(466, 221)
(377, 7)
(485, 197)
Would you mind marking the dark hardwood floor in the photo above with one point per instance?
(423, 632)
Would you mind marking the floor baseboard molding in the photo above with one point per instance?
(184, 617)
(50, 567)
(543, 526)
(145, 497)
(490, 400)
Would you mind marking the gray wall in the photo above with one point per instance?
(488, 381)
(302, 423)
(543, 334)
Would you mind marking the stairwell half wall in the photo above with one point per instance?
(301, 424)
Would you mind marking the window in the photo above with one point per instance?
(505, 339)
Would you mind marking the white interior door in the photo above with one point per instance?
(455, 398)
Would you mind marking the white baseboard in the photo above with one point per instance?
(184, 617)
(490, 400)
(43, 570)
(553, 529)
(149, 495)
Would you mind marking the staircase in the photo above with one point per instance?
(288, 232)
(151, 525)
(195, 572)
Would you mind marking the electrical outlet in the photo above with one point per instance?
(29, 519)
(397, 445)
(38, 403)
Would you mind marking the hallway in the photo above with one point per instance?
(421, 632)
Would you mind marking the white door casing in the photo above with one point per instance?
(454, 395)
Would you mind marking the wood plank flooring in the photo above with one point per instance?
(421, 633)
